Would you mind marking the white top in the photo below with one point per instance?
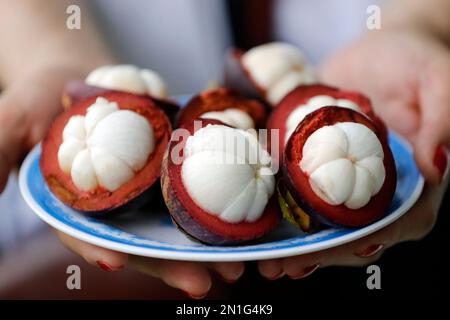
(107, 147)
(233, 156)
(344, 163)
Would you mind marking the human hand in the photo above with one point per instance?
(406, 73)
(194, 278)
(27, 106)
(414, 225)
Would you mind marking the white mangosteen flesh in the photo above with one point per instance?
(313, 104)
(344, 163)
(227, 173)
(233, 117)
(128, 78)
(277, 68)
(106, 147)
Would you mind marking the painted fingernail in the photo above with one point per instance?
(105, 266)
(305, 272)
(440, 161)
(277, 276)
(370, 251)
(193, 296)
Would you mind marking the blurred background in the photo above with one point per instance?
(147, 33)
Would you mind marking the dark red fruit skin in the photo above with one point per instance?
(218, 100)
(193, 220)
(77, 90)
(301, 94)
(102, 201)
(297, 180)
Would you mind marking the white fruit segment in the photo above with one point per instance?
(128, 78)
(107, 147)
(232, 117)
(313, 104)
(277, 68)
(227, 173)
(344, 163)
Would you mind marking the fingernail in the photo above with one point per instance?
(105, 266)
(370, 251)
(193, 296)
(305, 272)
(277, 276)
(235, 275)
(440, 161)
(227, 280)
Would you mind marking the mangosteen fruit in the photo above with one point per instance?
(224, 105)
(105, 151)
(339, 169)
(268, 71)
(121, 78)
(304, 99)
(218, 184)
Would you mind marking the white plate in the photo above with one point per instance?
(150, 233)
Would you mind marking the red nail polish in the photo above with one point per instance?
(107, 267)
(370, 251)
(305, 272)
(278, 276)
(192, 296)
(440, 160)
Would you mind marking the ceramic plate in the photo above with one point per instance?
(150, 232)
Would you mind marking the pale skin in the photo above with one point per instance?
(410, 54)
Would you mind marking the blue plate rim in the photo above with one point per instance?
(244, 254)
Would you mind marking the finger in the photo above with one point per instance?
(271, 269)
(420, 220)
(434, 133)
(191, 277)
(300, 267)
(104, 258)
(229, 271)
(357, 253)
(392, 109)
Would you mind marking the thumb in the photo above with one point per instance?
(433, 137)
(13, 128)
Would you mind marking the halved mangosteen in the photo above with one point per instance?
(304, 99)
(218, 185)
(224, 105)
(268, 71)
(121, 78)
(339, 169)
(105, 151)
